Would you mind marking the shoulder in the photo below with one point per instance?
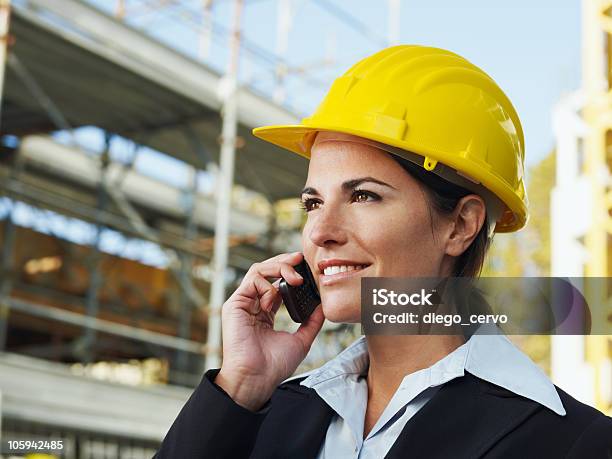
(592, 428)
(578, 411)
(578, 415)
(581, 432)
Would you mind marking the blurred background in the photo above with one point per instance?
(133, 197)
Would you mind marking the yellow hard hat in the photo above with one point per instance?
(431, 102)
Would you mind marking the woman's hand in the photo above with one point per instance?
(256, 358)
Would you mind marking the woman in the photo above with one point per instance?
(416, 157)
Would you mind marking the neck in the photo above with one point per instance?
(394, 357)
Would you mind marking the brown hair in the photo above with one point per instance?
(443, 197)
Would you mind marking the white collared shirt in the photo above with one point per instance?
(341, 382)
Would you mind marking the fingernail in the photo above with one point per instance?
(299, 275)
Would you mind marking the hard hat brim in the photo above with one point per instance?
(292, 137)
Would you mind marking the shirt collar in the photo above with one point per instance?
(352, 360)
(497, 360)
(491, 357)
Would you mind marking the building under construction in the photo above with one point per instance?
(109, 269)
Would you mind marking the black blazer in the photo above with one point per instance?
(467, 418)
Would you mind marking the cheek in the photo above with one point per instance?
(403, 244)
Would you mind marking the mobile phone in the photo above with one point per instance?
(300, 301)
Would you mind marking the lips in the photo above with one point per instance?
(336, 270)
(330, 270)
(339, 262)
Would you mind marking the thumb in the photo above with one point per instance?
(308, 330)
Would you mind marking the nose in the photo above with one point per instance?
(327, 227)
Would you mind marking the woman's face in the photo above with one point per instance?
(367, 213)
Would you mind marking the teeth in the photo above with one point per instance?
(331, 270)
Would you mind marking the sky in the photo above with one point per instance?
(532, 49)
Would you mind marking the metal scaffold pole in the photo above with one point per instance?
(186, 269)
(5, 10)
(223, 196)
(206, 33)
(285, 16)
(6, 271)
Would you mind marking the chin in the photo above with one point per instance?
(341, 313)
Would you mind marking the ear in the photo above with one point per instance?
(468, 217)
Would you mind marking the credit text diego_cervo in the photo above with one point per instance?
(436, 318)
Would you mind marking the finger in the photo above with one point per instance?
(272, 300)
(308, 330)
(290, 258)
(277, 301)
(276, 304)
(252, 293)
(286, 258)
(276, 269)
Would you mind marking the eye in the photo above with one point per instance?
(358, 196)
(363, 195)
(307, 204)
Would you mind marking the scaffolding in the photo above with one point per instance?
(167, 102)
(102, 261)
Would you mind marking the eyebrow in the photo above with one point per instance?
(349, 185)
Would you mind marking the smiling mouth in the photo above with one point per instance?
(332, 274)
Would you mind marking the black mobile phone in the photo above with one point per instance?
(300, 301)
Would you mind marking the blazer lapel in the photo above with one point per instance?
(296, 426)
(463, 420)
